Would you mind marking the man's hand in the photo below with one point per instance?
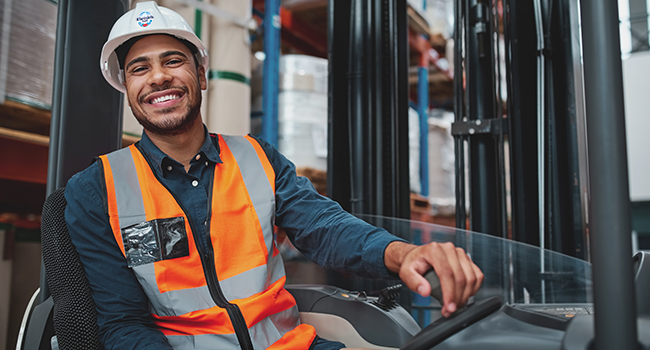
(459, 277)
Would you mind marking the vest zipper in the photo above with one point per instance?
(236, 317)
(210, 271)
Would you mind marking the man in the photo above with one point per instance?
(176, 232)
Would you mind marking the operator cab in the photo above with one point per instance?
(531, 298)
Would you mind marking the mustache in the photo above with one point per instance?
(144, 98)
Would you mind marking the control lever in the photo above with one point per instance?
(436, 291)
(434, 281)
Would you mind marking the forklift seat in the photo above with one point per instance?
(354, 319)
(74, 315)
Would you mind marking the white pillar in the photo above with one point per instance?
(229, 98)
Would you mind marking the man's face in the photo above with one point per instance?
(163, 84)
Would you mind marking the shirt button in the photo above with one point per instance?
(206, 163)
(195, 183)
(169, 167)
(198, 156)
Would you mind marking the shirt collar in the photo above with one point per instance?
(210, 148)
(159, 159)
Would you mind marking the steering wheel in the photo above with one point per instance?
(443, 328)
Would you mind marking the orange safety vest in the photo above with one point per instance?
(223, 299)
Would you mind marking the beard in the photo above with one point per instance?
(168, 126)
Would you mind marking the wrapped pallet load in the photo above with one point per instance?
(27, 31)
(302, 111)
(442, 195)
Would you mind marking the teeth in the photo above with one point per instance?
(164, 98)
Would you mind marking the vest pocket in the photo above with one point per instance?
(155, 240)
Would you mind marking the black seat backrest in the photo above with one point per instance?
(75, 318)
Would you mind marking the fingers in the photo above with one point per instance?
(479, 278)
(411, 271)
(452, 279)
(459, 277)
(472, 281)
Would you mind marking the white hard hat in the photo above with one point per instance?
(146, 18)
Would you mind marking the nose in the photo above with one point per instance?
(159, 75)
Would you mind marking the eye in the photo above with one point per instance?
(137, 69)
(174, 62)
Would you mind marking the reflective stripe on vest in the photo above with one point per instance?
(249, 268)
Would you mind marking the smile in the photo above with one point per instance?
(164, 98)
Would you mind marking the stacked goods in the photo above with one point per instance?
(414, 151)
(440, 16)
(442, 194)
(302, 110)
(27, 40)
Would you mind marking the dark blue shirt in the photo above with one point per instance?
(316, 225)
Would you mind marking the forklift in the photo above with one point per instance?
(559, 270)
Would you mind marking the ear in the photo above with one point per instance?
(202, 79)
(128, 100)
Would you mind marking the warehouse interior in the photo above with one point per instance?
(431, 131)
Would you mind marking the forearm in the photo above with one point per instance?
(337, 240)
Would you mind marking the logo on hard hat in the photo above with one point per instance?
(144, 19)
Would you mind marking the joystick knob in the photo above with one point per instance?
(434, 281)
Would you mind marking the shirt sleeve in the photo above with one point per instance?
(122, 306)
(321, 229)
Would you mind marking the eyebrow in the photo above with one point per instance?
(162, 55)
(136, 60)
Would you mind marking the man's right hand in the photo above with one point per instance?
(459, 277)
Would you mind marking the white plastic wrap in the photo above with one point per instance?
(414, 151)
(302, 72)
(302, 128)
(440, 16)
(27, 41)
(442, 193)
(302, 110)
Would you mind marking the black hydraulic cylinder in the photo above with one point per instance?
(459, 111)
(610, 226)
(521, 56)
(367, 171)
(484, 194)
(338, 158)
(86, 110)
(359, 110)
(368, 106)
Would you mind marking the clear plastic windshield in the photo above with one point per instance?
(517, 272)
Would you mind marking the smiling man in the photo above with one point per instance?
(176, 231)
